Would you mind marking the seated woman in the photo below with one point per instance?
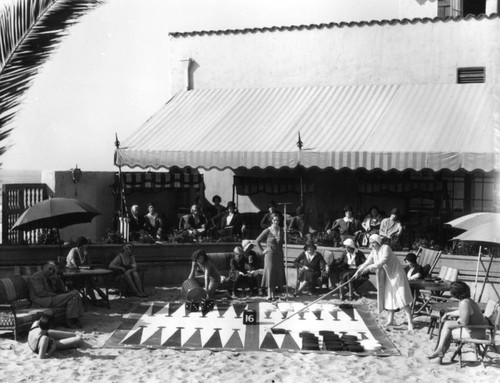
(254, 266)
(153, 220)
(371, 224)
(239, 273)
(77, 257)
(469, 314)
(413, 270)
(196, 222)
(352, 259)
(44, 341)
(215, 211)
(231, 222)
(310, 264)
(267, 219)
(298, 225)
(205, 272)
(124, 264)
(391, 230)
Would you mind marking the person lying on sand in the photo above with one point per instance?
(44, 341)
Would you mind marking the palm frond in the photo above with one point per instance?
(30, 30)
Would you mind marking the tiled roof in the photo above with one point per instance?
(343, 24)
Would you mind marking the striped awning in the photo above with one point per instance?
(433, 126)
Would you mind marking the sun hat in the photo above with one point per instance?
(308, 243)
(349, 243)
(376, 238)
(246, 243)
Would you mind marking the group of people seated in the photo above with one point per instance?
(49, 289)
(217, 221)
(225, 222)
(390, 228)
(245, 272)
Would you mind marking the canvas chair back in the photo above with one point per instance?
(492, 312)
(449, 274)
(428, 257)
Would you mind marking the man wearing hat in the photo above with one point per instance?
(231, 222)
(352, 258)
(310, 265)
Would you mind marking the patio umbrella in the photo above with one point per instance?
(471, 221)
(55, 213)
(488, 233)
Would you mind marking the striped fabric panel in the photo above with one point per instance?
(13, 288)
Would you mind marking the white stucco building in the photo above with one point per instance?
(399, 113)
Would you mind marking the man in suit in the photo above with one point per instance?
(136, 223)
(45, 291)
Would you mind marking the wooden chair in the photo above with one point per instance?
(446, 274)
(492, 323)
(428, 257)
(183, 222)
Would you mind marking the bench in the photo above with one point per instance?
(16, 311)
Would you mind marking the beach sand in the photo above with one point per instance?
(97, 364)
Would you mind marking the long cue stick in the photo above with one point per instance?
(310, 304)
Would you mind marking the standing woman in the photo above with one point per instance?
(393, 289)
(124, 264)
(273, 274)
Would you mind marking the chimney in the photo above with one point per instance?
(188, 75)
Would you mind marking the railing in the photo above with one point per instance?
(16, 198)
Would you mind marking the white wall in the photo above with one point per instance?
(379, 54)
(93, 189)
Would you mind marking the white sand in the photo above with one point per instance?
(97, 364)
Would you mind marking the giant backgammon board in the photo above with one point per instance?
(320, 328)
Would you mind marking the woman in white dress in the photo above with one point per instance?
(392, 285)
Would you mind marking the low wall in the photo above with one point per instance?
(169, 265)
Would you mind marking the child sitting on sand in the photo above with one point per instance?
(44, 341)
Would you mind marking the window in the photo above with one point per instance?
(471, 75)
(470, 192)
(458, 8)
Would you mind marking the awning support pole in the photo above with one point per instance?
(285, 258)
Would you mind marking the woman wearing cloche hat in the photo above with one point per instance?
(254, 265)
(393, 289)
(351, 259)
(310, 265)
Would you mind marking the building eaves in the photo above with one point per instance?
(352, 24)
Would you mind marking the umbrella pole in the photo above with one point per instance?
(485, 280)
(477, 271)
(59, 243)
